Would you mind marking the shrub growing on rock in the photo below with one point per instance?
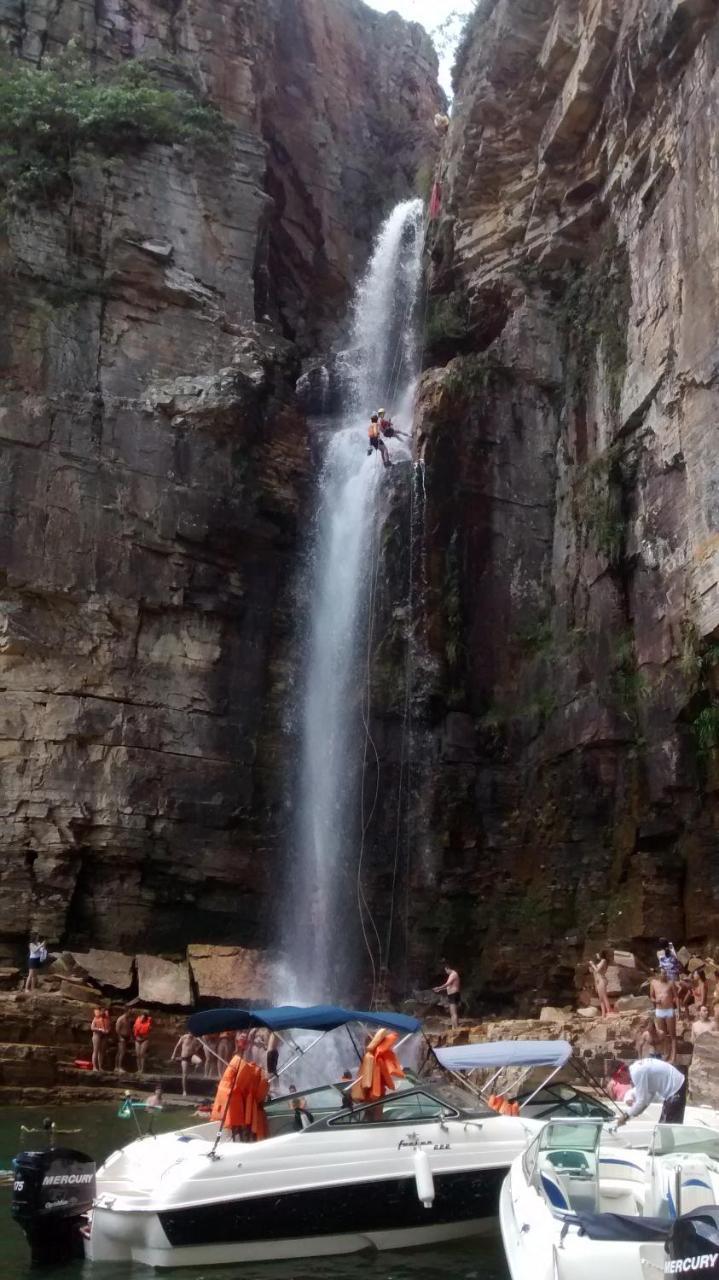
(59, 114)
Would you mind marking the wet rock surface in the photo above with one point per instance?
(564, 554)
(231, 973)
(155, 465)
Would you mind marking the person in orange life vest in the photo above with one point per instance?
(376, 442)
(387, 426)
(141, 1035)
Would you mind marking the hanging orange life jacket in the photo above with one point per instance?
(373, 432)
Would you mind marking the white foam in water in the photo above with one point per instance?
(322, 915)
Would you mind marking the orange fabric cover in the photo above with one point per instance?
(379, 1066)
(246, 1086)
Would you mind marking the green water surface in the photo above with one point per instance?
(102, 1132)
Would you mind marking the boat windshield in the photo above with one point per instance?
(678, 1139)
(570, 1135)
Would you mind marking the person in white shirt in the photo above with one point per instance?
(651, 1081)
(37, 955)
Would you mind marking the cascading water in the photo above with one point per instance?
(322, 920)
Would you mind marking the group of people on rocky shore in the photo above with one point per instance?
(211, 1054)
(132, 1029)
(681, 986)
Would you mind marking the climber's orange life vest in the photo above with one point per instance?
(141, 1029)
(373, 432)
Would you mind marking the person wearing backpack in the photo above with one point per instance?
(37, 955)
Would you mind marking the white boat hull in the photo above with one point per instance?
(167, 1203)
(145, 1242)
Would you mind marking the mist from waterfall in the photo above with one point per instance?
(321, 936)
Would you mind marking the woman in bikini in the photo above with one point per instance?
(663, 992)
(599, 972)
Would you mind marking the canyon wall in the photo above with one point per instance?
(154, 464)
(562, 779)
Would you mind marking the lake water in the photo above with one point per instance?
(101, 1132)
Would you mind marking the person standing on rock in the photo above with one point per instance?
(647, 1041)
(123, 1031)
(663, 992)
(224, 1050)
(141, 1034)
(452, 987)
(37, 955)
(702, 1024)
(669, 961)
(700, 989)
(599, 967)
(99, 1030)
(186, 1046)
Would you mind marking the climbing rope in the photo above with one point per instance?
(366, 818)
(405, 755)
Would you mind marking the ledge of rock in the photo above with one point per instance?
(231, 973)
(108, 968)
(163, 982)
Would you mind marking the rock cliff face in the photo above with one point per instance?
(155, 465)
(564, 766)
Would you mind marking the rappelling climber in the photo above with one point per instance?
(386, 425)
(376, 441)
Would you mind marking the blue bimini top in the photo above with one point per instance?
(505, 1053)
(316, 1017)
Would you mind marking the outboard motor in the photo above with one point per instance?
(692, 1246)
(52, 1191)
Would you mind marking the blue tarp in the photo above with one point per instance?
(494, 1054)
(316, 1017)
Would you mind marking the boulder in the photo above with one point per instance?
(704, 1071)
(163, 981)
(231, 973)
(633, 1004)
(625, 959)
(551, 1014)
(588, 1012)
(623, 980)
(108, 968)
(9, 979)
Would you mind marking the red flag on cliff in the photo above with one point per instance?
(435, 201)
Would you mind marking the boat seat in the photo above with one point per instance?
(620, 1198)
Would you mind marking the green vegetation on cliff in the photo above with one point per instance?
(595, 314)
(58, 115)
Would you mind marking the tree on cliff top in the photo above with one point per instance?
(62, 112)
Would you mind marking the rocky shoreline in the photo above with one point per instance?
(43, 1033)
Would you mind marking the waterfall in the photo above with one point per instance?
(321, 933)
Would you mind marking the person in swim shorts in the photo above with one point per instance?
(452, 987)
(663, 992)
(186, 1046)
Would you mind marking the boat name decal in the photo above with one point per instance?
(66, 1179)
(413, 1140)
(441, 1146)
(701, 1263)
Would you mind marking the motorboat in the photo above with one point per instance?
(583, 1203)
(422, 1164)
